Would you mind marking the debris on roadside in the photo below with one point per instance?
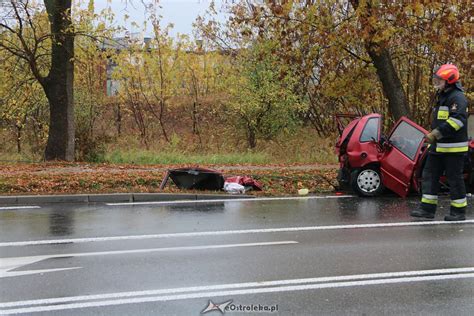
(234, 188)
(196, 178)
(303, 191)
(247, 182)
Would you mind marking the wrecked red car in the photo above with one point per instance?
(370, 162)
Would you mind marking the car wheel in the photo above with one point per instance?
(367, 182)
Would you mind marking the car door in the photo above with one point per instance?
(362, 146)
(401, 154)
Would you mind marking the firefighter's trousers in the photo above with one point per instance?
(452, 165)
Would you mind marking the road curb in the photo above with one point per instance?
(114, 198)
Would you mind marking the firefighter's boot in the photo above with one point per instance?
(421, 213)
(427, 208)
(456, 215)
(457, 211)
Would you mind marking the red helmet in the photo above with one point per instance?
(447, 72)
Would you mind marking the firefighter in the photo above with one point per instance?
(448, 146)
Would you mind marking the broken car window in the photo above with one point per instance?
(371, 130)
(407, 139)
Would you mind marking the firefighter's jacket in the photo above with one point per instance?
(450, 119)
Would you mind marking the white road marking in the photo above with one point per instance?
(7, 264)
(18, 207)
(289, 198)
(228, 232)
(146, 250)
(11, 263)
(29, 272)
(239, 286)
(288, 288)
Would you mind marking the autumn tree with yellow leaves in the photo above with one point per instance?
(271, 69)
(356, 56)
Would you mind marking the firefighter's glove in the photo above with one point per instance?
(433, 136)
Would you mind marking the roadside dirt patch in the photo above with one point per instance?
(61, 178)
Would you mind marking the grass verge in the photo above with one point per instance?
(148, 157)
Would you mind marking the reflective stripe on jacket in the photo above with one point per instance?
(450, 119)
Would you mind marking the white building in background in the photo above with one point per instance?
(120, 43)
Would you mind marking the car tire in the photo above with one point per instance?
(367, 182)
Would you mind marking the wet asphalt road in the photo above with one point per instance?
(324, 256)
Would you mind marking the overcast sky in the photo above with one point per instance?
(182, 13)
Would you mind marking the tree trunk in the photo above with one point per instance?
(18, 138)
(118, 120)
(196, 130)
(194, 116)
(251, 137)
(380, 56)
(58, 85)
(160, 119)
(391, 84)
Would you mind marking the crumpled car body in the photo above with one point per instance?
(370, 162)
